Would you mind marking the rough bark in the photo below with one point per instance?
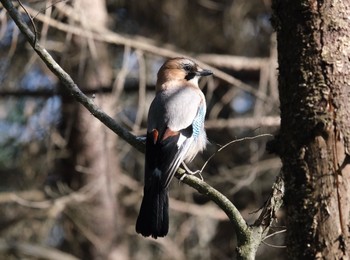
(314, 142)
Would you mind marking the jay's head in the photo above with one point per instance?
(180, 69)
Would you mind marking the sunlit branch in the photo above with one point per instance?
(249, 237)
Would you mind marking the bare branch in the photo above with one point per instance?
(275, 233)
(236, 63)
(143, 44)
(194, 182)
(234, 141)
(68, 81)
(274, 246)
(222, 201)
(31, 20)
(249, 122)
(249, 237)
(273, 204)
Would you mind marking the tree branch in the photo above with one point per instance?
(246, 122)
(249, 237)
(141, 43)
(235, 63)
(68, 82)
(222, 201)
(73, 89)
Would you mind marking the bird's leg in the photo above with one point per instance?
(188, 171)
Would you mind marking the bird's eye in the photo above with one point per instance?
(187, 67)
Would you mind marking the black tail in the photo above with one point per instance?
(153, 219)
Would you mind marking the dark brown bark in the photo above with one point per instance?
(314, 142)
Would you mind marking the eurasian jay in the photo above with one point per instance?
(175, 134)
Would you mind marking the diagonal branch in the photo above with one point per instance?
(222, 201)
(249, 237)
(73, 89)
(68, 82)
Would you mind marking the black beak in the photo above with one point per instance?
(204, 73)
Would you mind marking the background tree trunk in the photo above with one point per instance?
(97, 155)
(314, 141)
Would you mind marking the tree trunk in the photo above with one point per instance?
(314, 142)
(98, 218)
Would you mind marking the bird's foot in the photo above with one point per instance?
(190, 172)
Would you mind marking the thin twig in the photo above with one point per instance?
(275, 233)
(54, 4)
(31, 21)
(274, 246)
(232, 142)
(119, 81)
(142, 90)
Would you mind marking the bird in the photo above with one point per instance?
(175, 134)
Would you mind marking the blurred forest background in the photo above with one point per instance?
(70, 188)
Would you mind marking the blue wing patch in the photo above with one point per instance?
(198, 122)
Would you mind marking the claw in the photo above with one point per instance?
(188, 171)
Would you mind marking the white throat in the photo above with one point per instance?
(194, 80)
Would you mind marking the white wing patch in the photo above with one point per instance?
(183, 145)
(181, 140)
